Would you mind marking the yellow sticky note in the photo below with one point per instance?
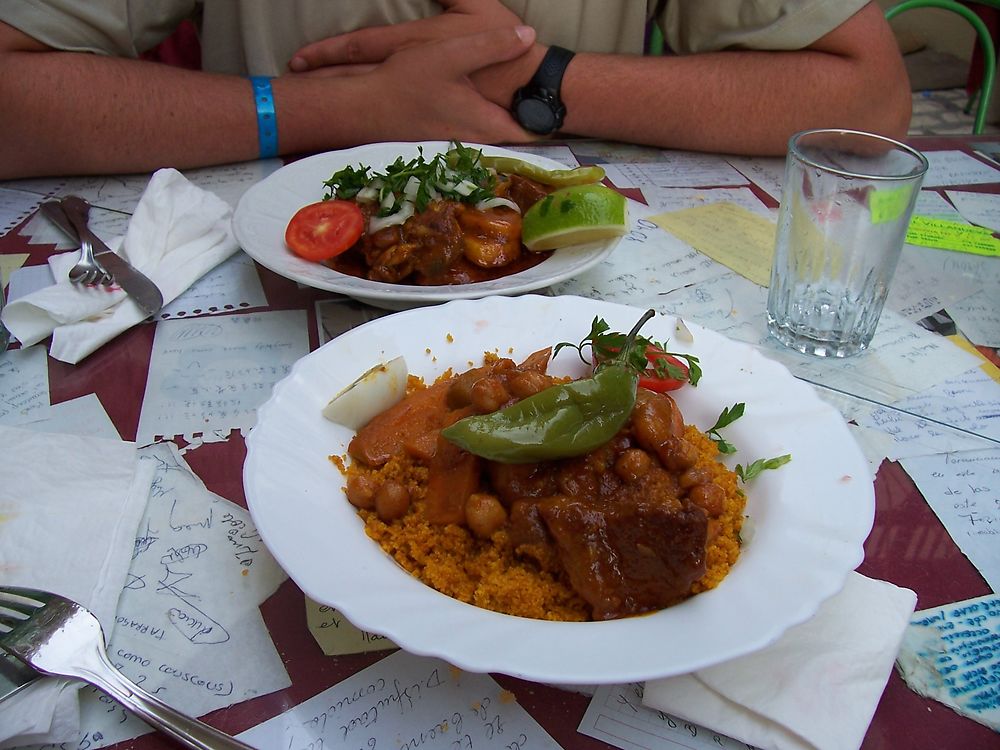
(336, 636)
(888, 204)
(727, 233)
(952, 235)
(9, 264)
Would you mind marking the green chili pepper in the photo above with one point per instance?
(554, 177)
(564, 420)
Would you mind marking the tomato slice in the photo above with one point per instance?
(323, 230)
(665, 372)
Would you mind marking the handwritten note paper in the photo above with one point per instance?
(767, 173)
(336, 635)
(952, 654)
(211, 374)
(675, 199)
(964, 491)
(727, 233)
(957, 168)
(676, 169)
(647, 263)
(232, 285)
(979, 208)
(959, 414)
(918, 289)
(978, 316)
(931, 203)
(24, 385)
(79, 416)
(406, 701)
(188, 616)
(617, 716)
(15, 207)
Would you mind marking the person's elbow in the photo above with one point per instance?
(883, 104)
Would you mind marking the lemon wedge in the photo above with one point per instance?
(575, 215)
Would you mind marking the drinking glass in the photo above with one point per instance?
(845, 207)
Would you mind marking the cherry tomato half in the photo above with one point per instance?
(665, 372)
(323, 230)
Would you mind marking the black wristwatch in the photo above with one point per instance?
(537, 105)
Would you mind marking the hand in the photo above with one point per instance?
(424, 92)
(356, 49)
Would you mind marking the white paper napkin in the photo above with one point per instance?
(178, 233)
(69, 510)
(816, 687)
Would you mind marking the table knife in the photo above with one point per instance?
(71, 215)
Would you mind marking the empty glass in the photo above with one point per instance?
(845, 207)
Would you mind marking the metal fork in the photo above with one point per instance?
(88, 269)
(58, 637)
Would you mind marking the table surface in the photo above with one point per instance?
(908, 546)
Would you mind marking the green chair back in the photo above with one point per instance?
(985, 41)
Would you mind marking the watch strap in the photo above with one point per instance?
(550, 73)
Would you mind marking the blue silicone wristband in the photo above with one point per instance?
(267, 121)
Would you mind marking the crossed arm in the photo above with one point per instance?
(733, 101)
(449, 76)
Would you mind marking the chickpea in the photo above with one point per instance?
(694, 476)
(484, 514)
(633, 464)
(526, 383)
(711, 497)
(656, 419)
(489, 394)
(360, 491)
(460, 391)
(677, 454)
(392, 501)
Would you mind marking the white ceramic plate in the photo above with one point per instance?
(265, 209)
(810, 517)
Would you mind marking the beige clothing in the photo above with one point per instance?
(258, 37)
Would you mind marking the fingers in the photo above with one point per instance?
(466, 54)
(371, 45)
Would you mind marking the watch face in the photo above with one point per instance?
(536, 115)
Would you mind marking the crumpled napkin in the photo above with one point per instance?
(69, 510)
(177, 234)
(816, 687)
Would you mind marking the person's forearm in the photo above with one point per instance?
(749, 102)
(72, 113)
(76, 113)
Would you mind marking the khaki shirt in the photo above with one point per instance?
(258, 37)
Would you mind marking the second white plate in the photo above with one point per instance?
(265, 209)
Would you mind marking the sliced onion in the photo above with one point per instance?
(368, 194)
(411, 188)
(388, 200)
(495, 202)
(377, 223)
(465, 187)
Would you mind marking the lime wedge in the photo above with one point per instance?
(574, 215)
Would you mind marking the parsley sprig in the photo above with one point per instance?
(605, 345)
(729, 415)
(761, 464)
(459, 177)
